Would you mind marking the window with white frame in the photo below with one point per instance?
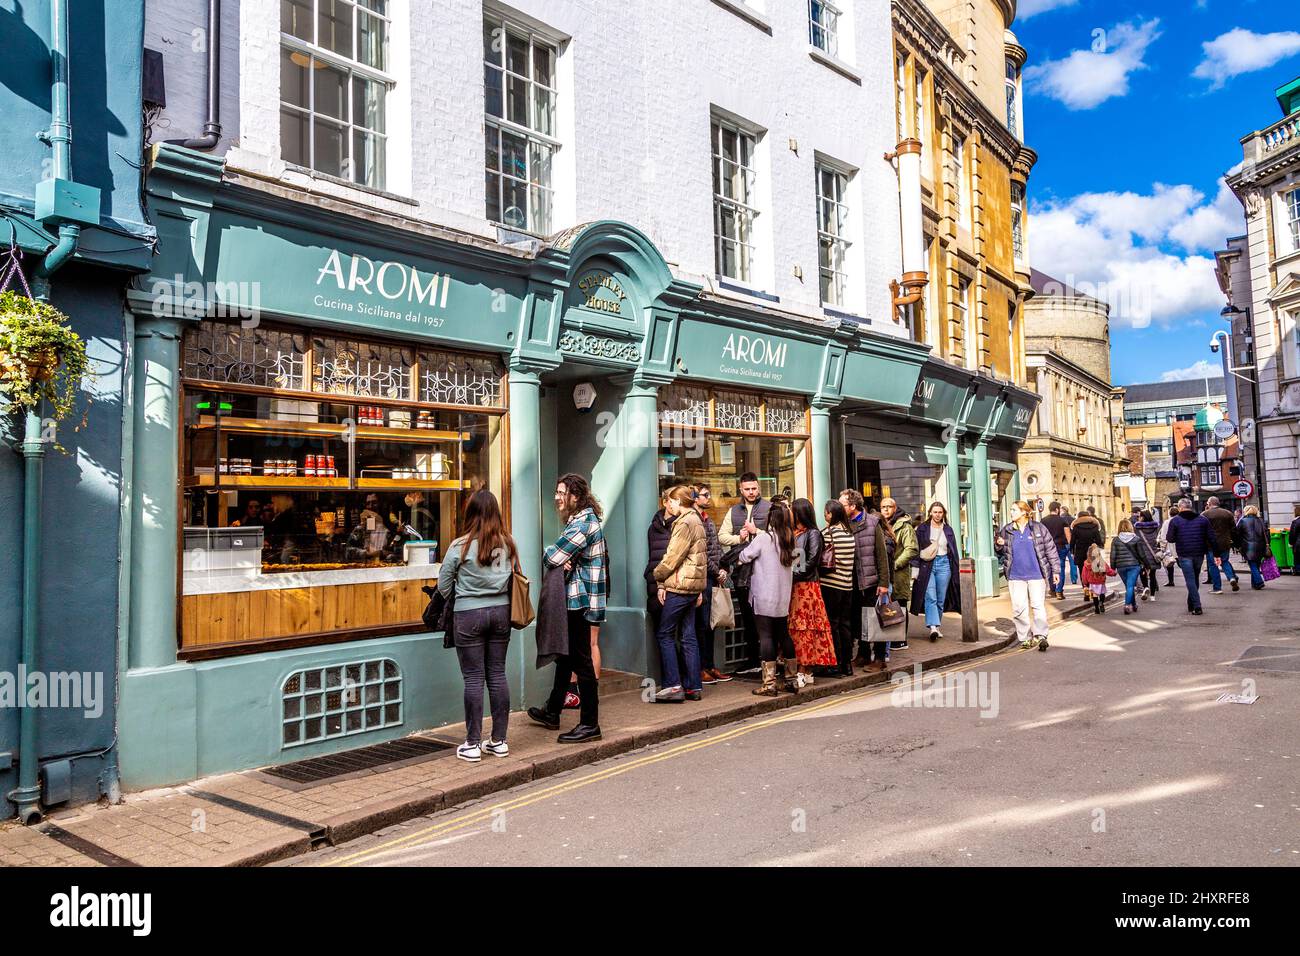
(1017, 220)
(1293, 216)
(1012, 76)
(959, 177)
(333, 87)
(918, 105)
(966, 320)
(734, 199)
(900, 93)
(823, 26)
(519, 125)
(832, 227)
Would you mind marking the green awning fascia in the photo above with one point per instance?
(1288, 96)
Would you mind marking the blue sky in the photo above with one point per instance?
(1136, 111)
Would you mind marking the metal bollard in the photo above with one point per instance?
(970, 621)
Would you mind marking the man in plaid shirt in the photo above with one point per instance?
(581, 551)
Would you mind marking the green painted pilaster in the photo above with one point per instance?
(986, 574)
(1014, 487)
(155, 456)
(822, 451)
(640, 430)
(526, 503)
(952, 472)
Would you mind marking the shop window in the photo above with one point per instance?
(832, 233)
(823, 26)
(734, 200)
(519, 80)
(333, 88)
(322, 703)
(324, 477)
(714, 436)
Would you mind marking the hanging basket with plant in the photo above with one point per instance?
(41, 357)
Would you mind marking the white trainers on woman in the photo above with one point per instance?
(469, 752)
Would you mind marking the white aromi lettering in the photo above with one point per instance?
(392, 280)
(755, 351)
(74, 908)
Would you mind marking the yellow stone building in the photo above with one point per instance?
(958, 94)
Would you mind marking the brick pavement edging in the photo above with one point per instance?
(379, 815)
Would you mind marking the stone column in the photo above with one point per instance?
(640, 430)
(822, 449)
(953, 482)
(986, 575)
(155, 465)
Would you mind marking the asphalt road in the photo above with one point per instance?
(1109, 749)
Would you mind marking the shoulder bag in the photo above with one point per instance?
(521, 604)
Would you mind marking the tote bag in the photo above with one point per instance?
(521, 604)
(722, 612)
(1268, 569)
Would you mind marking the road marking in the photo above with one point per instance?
(487, 813)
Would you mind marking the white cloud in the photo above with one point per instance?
(1148, 255)
(1089, 77)
(1243, 51)
(1198, 369)
(1031, 8)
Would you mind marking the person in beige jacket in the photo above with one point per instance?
(682, 576)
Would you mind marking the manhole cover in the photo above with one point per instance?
(1261, 657)
(318, 770)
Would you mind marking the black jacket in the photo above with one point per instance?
(808, 556)
(1294, 534)
(1251, 538)
(1085, 532)
(657, 535)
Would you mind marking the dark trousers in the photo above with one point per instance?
(1191, 568)
(577, 661)
(1169, 571)
(855, 619)
(482, 640)
(839, 609)
(747, 621)
(902, 602)
(1149, 580)
(774, 638)
(703, 629)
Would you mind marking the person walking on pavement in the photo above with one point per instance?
(1251, 539)
(580, 550)
(746, 518)
(1148, 530)
(709, 672)
(1293, 538)
(1030, 562)
(1069, 555)
(1085, 531)
(1059, 527)
(870, 573)
(771, 552)
(1168, 550)
(907, 550)
(681, 576)
(1130, 555)
(479, 568)
(936, 579)
(1219, 564)
(1096, 569)
(1091, 511)
(810, 628)
(1192, 536)
(837, 583)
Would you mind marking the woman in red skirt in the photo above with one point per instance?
(810, 629)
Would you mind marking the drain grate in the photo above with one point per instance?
(1261, 657)
(316, 770)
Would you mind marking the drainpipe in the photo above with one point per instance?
(212, 128)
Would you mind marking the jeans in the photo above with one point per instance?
(1029, 607)
(839, 609)
(703, 629)
(1217, 574)
(577, 661)
(1074, 568)
(482, 639)
(936, 589)
(679, 610)
(1130, 578)
(1191, 568)
(1066, 558)
(1256, 576)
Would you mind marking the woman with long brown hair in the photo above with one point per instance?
(772, 552)
(810, 628)
(478, 566)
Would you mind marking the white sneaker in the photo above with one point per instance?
(469, 752)
(497, 748)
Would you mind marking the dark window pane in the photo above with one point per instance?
(328, 140)
(372, 41)
(517, 54)
(368, 104)
(492, 90)
(331, 92)
(368, 159)
(514, 154)
(543, 66)
(295, 18)
(517, 100)
(492, 189)
(334, 26)
(293, 138)
(294, 71)
(491, 147)
(515, 213)
(493, 42)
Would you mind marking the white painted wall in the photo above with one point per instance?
(637, 84)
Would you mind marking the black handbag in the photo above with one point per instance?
(440, 614)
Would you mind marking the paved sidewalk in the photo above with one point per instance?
(247, 818)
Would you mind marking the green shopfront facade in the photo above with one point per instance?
(315, 395)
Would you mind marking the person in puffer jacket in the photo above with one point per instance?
(657, 536)
(682, 576)
(1130, 556)
(1192, 536)
(1148, 529)
(1251, 539)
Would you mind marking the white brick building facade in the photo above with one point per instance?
(637, 84)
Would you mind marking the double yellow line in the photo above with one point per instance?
(474, 817)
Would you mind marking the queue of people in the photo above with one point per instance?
(813, 598)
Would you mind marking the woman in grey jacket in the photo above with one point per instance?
(770, 586)
(478, 566)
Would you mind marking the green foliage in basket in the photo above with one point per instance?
(41, 357)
